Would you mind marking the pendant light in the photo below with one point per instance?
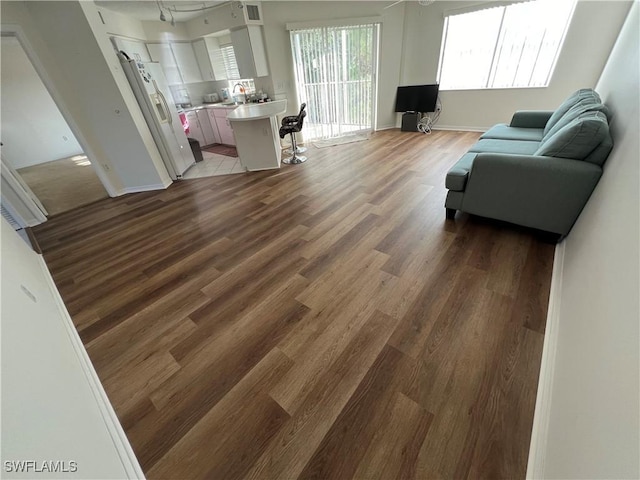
(162, 17)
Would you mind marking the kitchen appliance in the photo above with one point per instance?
(211, 98)
(149, 86)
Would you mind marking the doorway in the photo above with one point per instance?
(37, 142)
(335, 70)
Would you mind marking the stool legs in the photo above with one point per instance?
(294, 159)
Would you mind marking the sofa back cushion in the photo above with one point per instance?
(579, 139)
(583, 106)
(585, 95)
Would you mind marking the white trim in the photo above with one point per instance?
(17, 200)
(480, 6)
(459, 128)
(120, 442)
(17, 32)
(343, 22)
(541, 418)
(145, 188)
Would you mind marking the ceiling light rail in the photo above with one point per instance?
(173, 9)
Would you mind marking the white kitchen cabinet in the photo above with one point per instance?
(194, 127)
(209, 57)
(224, 127)
(205, 126)
(202, 56)
(161, 52)
(187, 63)
(214, 126)
(250, 53)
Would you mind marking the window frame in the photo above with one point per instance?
(492, 66)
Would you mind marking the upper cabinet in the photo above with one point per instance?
(187, 63)
(209, 57)
(161, 52)
(178, 62)
(250, 53)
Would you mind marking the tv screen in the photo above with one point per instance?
(417, 98)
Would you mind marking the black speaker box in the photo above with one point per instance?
(410, 122)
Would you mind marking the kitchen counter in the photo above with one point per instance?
(207, 105)
(257, 111)
(256, 128)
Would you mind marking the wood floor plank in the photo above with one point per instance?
(394, 448)
(294, 444)
(323, 320)
(361, 418)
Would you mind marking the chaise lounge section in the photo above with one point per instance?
(538, 171)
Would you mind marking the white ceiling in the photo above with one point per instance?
(148, 9)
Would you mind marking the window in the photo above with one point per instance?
(335, 68)
(502, 47)
(229, 60)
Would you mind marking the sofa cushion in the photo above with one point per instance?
(587, 95)
(494, 145)
(578, 138)
(457, 176)
(573, 113)
(503, 131)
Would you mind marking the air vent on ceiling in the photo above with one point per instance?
(253, 13)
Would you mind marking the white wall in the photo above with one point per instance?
(122, 25)
(163, 32)
(52, 405)
(589, 39)
(91, 90)
(278, 46)
(33, 130)
(595, 405)
(215, 20)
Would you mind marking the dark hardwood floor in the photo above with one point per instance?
(320, 321)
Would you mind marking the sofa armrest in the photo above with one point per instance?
(531, 118)
(546, 193)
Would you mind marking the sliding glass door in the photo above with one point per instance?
(335, 71)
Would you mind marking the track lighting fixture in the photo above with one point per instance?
(203, 8)
(162, 17)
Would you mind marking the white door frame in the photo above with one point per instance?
(19, 200)
(12, 30)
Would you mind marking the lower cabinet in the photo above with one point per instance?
(194, 128)
(210, 125)
(224, 127)
(205, 126)
(214, 125)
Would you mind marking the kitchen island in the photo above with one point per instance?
(256, 131)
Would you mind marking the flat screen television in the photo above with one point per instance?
(417, 98)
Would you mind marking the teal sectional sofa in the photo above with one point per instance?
(539, 170)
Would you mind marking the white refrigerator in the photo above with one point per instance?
(151, 91)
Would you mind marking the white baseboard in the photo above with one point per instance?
(459, 128)
(145, 188)
(541, 418)
(112, 424)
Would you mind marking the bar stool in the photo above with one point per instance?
(291, 125)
